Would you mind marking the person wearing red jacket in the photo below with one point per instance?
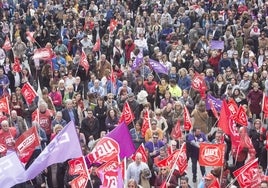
(150, 86)
(7, 136)
(215, 59)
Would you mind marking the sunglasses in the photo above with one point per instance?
(163, 169)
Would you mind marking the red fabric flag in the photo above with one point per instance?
(245, 142)
(16, 65)
(30, 36)
(127, 114)
(241, 116)
(182, 162)
(211, 154)
(213, 109)
(141, 150)
(265, 105)
(28, 93)
(113, 24)
(43, 54)
(168, 161)
(215, 184)
(4, 105)
(113, 80)
(104, 151)
(223, 119)
(248, 175)
(176, 131)
(77, 166)
(84, 62)
(187, 119)
(3, 149)
(266, 141)
(7, 45)
(79, 182)
(26, 144)
(145, 123)
(97, 45)
(233, 108)
(199, 84)
(164, 184)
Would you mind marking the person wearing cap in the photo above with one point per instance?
(154, 145)
(150, 86)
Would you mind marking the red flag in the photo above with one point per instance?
(215, 184)
(79, 182)
(182, 161)
(28, 93)
(43, 54)
(16, 66)
(199, 84)
(3, 149)
(97, 45)
(4, 105)
(7, 45)
(233, 108)
(145, 123)
(245, 142)
(266, 141)
(224, 118)
(241, 116)
(113, 24)
(213, 109)
(113, 80)
(164, 184)
(176, 131)
(83, 61)
(30, 36)
(248, 175)
(187, 119)
(104, 151)
(141, 150)
(127, 114)
(26, 144)
(77, 166)
(211, 154)
(265, 105)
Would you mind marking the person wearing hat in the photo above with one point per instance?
(150, 86)
(207, 181)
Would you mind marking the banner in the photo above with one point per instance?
(26, 144)
(211, 154)
(158, 67)
(28, 93)
(216, 45)
(11, 171)
(248, 175)
(65, 145)
(127, 114)
(4, 105)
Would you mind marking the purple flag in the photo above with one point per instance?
(216, 102)
(64, 146)
(122, 136)
(136, 63)
(216, 45)
(158, 67)
(11, 171)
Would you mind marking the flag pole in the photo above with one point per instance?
(88, 175)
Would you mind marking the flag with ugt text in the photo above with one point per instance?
(241, 116)
(145, 122)
(187, 119)
(77, 166)
(176, 131)
(141, 150)
(248, 175)
(84, 62)
(43, 54)
(11, 171)
(26, 144)
(28, 93)
(127, 114)
(79, 182)
(158, 67)
(199, 84)
(211, 154)
(7, 44)
(110, 174)
(4, 105)
(65, 145)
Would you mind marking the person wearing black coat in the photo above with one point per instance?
(70, 113)
(100, 112)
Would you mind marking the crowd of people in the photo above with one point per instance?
(112, 34)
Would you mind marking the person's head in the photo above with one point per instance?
(57, 128)
(4, 125)
(69, 103)
(42, 106)
(197, 131)
(132, 183)
(218, 136)
(13, 114)
(257, 124)
(58, 115)
(138, 158)
(100, 101)
(138, 125)
(111, 113)
(150, 78)
(155, 137)
(255, 86)
(264, 184)
(153, 124)
(89, 113)
(184, 182)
